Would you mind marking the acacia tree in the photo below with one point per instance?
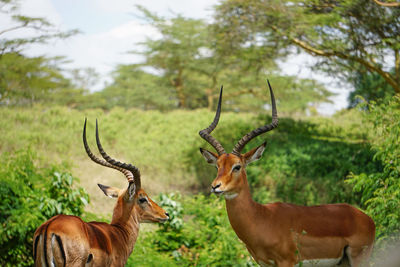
(193, 60)
(343, 35)
(26, 80)
(40, 30)
(175, 55)
(133, 87)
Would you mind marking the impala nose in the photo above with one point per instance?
(215, 187)
(167, 214)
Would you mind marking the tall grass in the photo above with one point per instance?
(316, 153)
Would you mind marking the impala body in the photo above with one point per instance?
(66, 240)
(283, 234)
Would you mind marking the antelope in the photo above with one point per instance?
(284, 234)
(66, 240)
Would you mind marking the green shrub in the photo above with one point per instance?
(199, 234)
(30, 195)
(381, 190)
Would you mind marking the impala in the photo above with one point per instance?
(68, 241)
(283, 234)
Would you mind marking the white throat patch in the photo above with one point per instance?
(230, 195)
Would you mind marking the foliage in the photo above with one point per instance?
(24, 81)
(202, 238)
(132, 87)
(191, 61)
(29, 195)
(306, 162)
(317, 153)
(344, 35)
(175, 53)
(39, 29)
(370, 87)
(381, 190)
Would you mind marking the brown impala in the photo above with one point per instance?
(68, 241)
(283, 234)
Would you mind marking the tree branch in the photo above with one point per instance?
(13, 28)
(314, 51)
(393, 4)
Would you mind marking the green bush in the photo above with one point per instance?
(381, 190)
(30, 195)
(199, 234)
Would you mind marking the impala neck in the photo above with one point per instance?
(126, 223)
(242, 210)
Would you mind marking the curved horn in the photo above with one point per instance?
(127, 173)
(205, 133)
(133, 169)
(245, 139)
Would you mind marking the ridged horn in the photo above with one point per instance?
(127, 173)
(133, 169)
(205, 133)
(245, 139)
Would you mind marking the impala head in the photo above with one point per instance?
(134, 196)
(231, 174)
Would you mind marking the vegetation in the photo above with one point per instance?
(381, 190)
(343, 35)
(29, 195)
(306, 162)
(192, 63)
(198, 234)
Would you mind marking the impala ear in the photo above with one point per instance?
(109, 191)
(254, 154)
(210, 157)
(130, 192)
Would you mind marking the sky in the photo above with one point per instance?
(110, 29)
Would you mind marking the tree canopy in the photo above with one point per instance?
(191, 61)
(26, 80)
(343, 35)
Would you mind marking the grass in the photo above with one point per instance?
(163, 145)
(155, 142)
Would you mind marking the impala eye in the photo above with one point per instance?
(142, 200)
(236, 168)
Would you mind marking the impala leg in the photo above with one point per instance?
(358, 256)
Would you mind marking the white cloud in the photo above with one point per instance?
(193, 9)
(41, 8)
(32, 8)
(101, 51)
